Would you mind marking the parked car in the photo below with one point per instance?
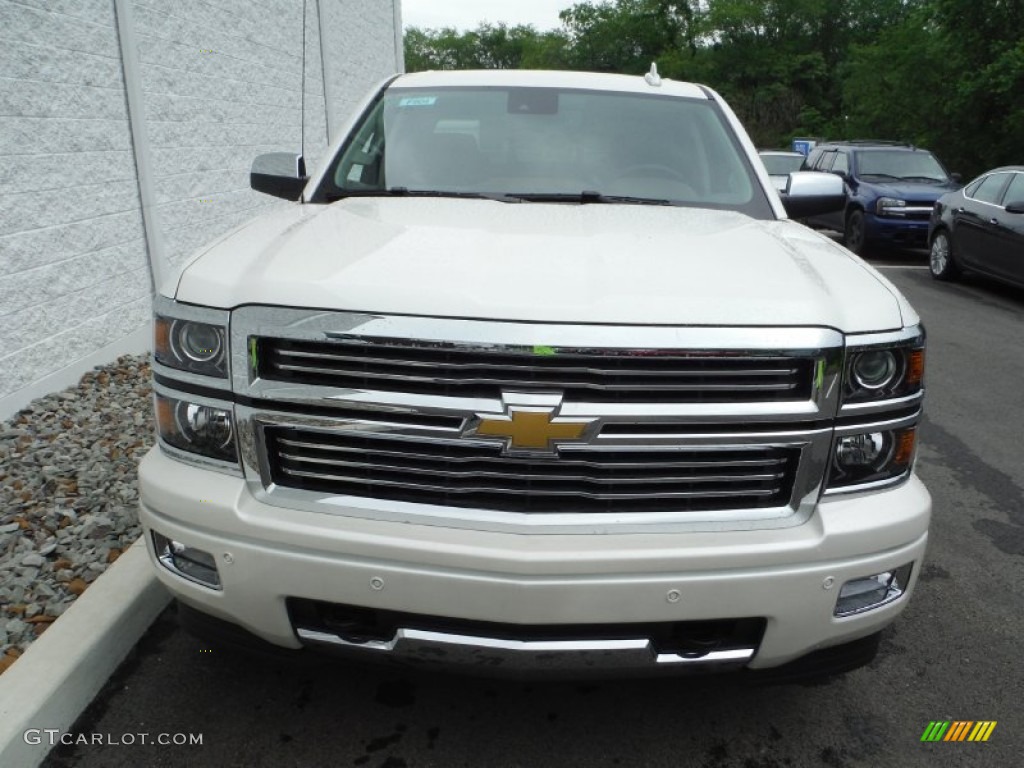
(780, 163)
(981, 228)
(891, 190)
(536, 372)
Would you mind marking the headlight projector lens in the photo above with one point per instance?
(875, 370)
(199, 342)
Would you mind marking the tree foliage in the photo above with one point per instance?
(946, 74)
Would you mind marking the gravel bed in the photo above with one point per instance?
(68, 494)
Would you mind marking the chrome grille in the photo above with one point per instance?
(582, 480)
(584, 375)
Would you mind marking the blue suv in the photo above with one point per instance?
(891, 189)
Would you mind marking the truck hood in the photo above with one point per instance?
(592, 263)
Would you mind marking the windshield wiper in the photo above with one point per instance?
(586, 196)
(589, 196)
(931, 179)
(406, 192)
(882, 176)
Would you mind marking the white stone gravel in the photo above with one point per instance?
(68, 494)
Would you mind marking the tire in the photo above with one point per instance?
(855, 234)
(941, 262)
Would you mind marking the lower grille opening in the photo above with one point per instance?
(356, 624)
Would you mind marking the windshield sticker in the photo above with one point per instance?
(417, 101)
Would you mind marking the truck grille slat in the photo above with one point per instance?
(377, 482)
(589, 375)
(618, 460)
(480, 476)
(341, 376)
(289, 461)
(346, 360)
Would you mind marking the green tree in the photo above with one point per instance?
(946, 74)
(628, 35)
(489, 46)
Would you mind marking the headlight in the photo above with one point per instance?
(874, 369)
(191, 346)
(884, 371)
(205, 430)
(889, 206)
(872, 457)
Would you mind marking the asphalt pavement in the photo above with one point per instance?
(955, 654)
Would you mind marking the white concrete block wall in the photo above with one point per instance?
(357, 27)
(221, 81)
(73, 271)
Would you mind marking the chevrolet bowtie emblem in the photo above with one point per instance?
(532, 429)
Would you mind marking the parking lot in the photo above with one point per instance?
(954, 654)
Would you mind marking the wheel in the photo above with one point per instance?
(941, 263)
(855, 236)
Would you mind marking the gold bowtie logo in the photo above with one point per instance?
(532, 430)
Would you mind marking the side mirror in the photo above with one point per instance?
(809, 193)
(956, 177)
(1017, 206)
(281, 174)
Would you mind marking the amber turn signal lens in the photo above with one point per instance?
(162, 337)
(905, 441)
(165, 416)
(915, 367)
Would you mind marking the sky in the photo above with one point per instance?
(468, 14)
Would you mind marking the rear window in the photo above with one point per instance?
(781, 165)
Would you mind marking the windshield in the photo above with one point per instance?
(906, 165)
(547, 143)
(782, 165)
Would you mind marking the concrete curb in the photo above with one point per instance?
(62, 671)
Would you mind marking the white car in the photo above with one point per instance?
(780, 163)
(535, 373)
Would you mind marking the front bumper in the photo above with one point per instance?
(788, 577)
(897, 232)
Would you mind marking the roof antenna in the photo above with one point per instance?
(652, 77)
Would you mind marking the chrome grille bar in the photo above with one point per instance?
(452, 370)
(477, 474)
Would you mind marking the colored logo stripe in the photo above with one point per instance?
(958, 730)
(982, 730)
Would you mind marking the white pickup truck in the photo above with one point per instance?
(536, 374)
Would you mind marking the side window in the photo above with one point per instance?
(973, 187)
(841, 164)
(1015, 192)
(991, 188)
(361, 166)
(811, 163)
(825, 163)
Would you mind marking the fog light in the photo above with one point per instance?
(870, 592)
(185, 561)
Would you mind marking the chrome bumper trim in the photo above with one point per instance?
(444, 649)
